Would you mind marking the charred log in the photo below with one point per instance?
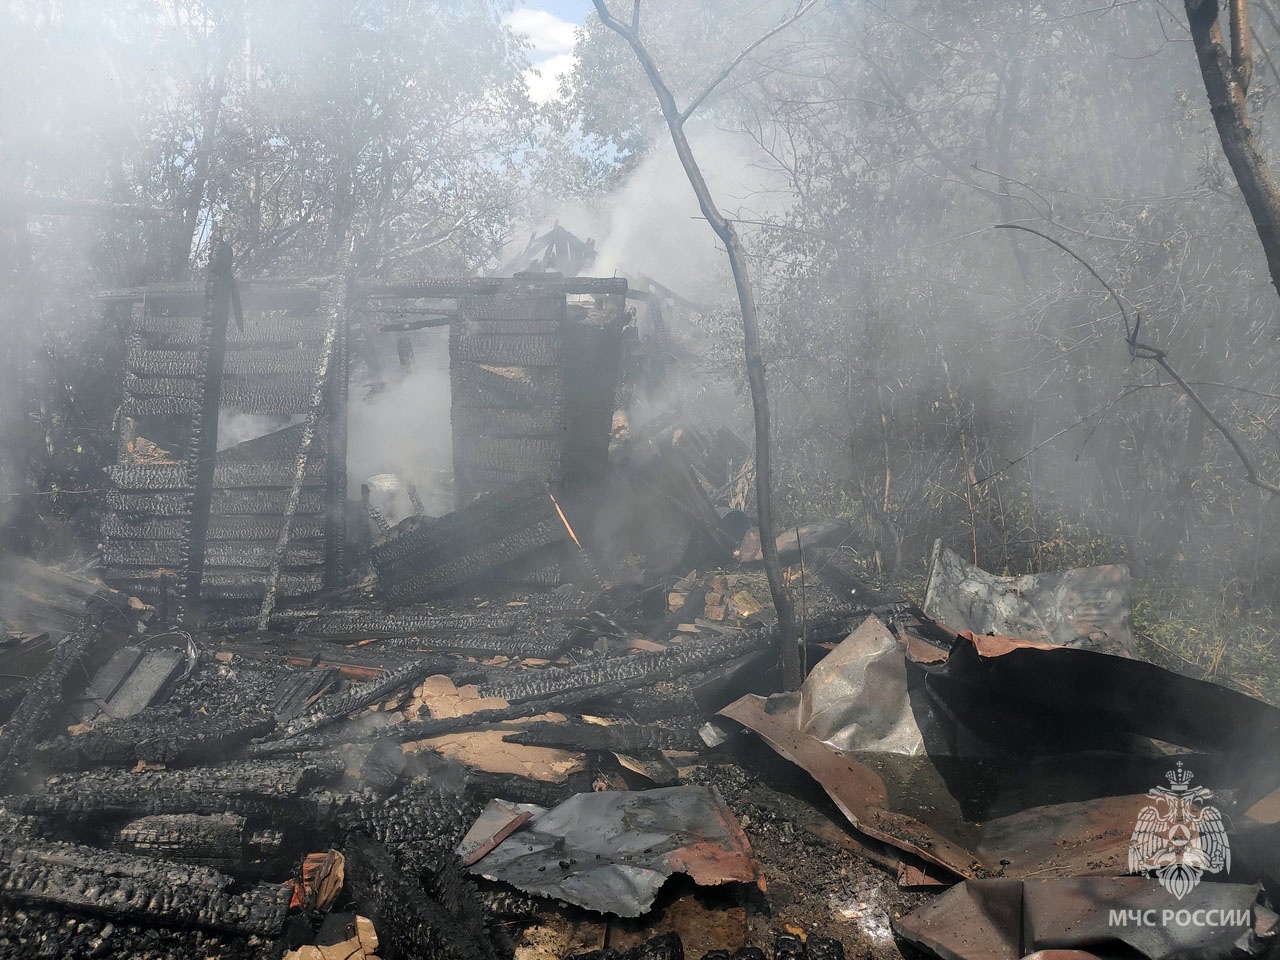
(41, 699)
(443, 554)
(618, 738)
(119, 885)
(191, 838)
(110, 746)
(157, 526)
(246, 787)
(364, 695)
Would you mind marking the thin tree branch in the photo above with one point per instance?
(1144, 351)
(1048, 440)
(1129, 332)
(745, 52)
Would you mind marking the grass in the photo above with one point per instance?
(1208, 635)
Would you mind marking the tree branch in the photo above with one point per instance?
(745, 52)
(1144, 351)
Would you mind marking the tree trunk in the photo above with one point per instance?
(1226, 84)
(789, 652)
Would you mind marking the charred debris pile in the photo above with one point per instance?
(272, 720)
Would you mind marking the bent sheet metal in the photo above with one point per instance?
(612, 851)
(1002, 919)
(991, 756)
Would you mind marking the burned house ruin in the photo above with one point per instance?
(535, 364)
(287, 724)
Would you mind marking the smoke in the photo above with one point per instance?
(234, 428)
(652, 224)
(404, 428)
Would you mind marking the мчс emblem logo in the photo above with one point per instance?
(1179, 838)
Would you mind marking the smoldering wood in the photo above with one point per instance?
(641, 668)
(267, 368)
(200, 466)
(362, 623)
(221, 528)
(217, 583)
(566, 688)
(278, 445)
(533, 381)
(365, 694)
(243, 502)
(146, 363)
(218, 553)
(279, 553)
(226, 475)
(219, 840)
(424, 822)
(443, 554)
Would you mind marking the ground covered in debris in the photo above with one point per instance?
(175, 810)
(610, 773)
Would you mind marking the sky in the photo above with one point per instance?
(548, 26)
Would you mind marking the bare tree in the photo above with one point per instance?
(676, 118)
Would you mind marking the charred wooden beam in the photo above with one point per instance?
(279, 554)
(278, 445)
(337, 297)
(246, 583)
(123, 746)
(642, 668)
(218, 553)
(605, 694)
(288, 291)
(368, 624)
(157, 891)
(423, 823)
(616, 738)
(42, 698)
(363, 695)
(443, 554)
(173, 323)
(146, 362)
(545, 645)
(226, 503)
(285, 394)
(226, 528)
(245, 787)
(234, 474)
(187, 837)
(202, 441)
